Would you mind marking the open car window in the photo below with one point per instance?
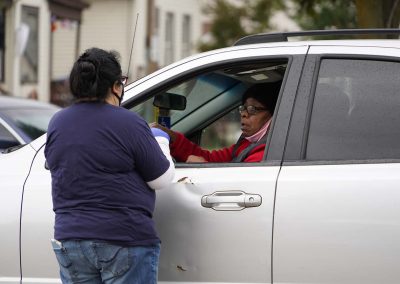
(221, 133)
(198, 92)
(210, 117)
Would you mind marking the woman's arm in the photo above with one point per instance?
(184, 150)
(165, 179)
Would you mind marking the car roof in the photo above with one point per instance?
(7, 102)
(284, 36)
(383, 43)
(395, 43)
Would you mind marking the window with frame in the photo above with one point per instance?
(155, 36)
(2, 41)
(29, 44)
(186, 35)
(355, 114)
(169, 38)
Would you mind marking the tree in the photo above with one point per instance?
(226, 24)
(232, 20)
(379, 14)
(322, 14)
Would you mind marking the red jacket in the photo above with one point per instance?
(182, 147)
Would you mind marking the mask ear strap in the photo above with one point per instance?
(118, 98)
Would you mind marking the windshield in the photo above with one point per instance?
(32, 122)
(198, 91)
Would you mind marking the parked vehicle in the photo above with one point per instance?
(323, 206)
(23, 120)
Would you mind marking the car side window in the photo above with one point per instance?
(210, 117)
(355, 114)
(6, 138)
(199, 91)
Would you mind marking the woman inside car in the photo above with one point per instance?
(258, 104)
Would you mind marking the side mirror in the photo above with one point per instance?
(170, 101)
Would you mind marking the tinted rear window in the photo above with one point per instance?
(356, 109)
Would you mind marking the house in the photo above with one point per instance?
(40, 39)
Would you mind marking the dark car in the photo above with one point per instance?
(23, 120)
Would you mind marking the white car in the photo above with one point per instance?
(322, 207)
(23, 120)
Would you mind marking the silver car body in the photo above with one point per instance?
(316, 222)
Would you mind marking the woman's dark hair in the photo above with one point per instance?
(266, 94)
(95, 71)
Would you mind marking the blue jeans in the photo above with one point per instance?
(92, 262)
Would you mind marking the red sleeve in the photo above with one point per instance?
(182, 147)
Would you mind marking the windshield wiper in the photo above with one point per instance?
(12, 149)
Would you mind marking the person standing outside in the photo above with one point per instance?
(105, 165)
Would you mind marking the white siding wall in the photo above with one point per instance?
(64, 40)
(110, 25)
(139, 57)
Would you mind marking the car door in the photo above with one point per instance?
(337, 216)
(208, 234)
(39, 264)
(228, 240)
(15, 167)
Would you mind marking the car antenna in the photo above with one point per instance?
(133, 40)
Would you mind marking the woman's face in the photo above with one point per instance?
(251, 123)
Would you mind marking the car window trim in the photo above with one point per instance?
(276, 143)
(181, 77)
(340, 162)
(177, 79)
(226, 164)
(283, 108)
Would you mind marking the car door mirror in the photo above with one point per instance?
(170, 101)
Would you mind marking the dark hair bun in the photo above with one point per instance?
(87, 69)
(94, 73)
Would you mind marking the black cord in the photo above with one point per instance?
(20, 214)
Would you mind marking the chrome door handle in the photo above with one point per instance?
(231, 200)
